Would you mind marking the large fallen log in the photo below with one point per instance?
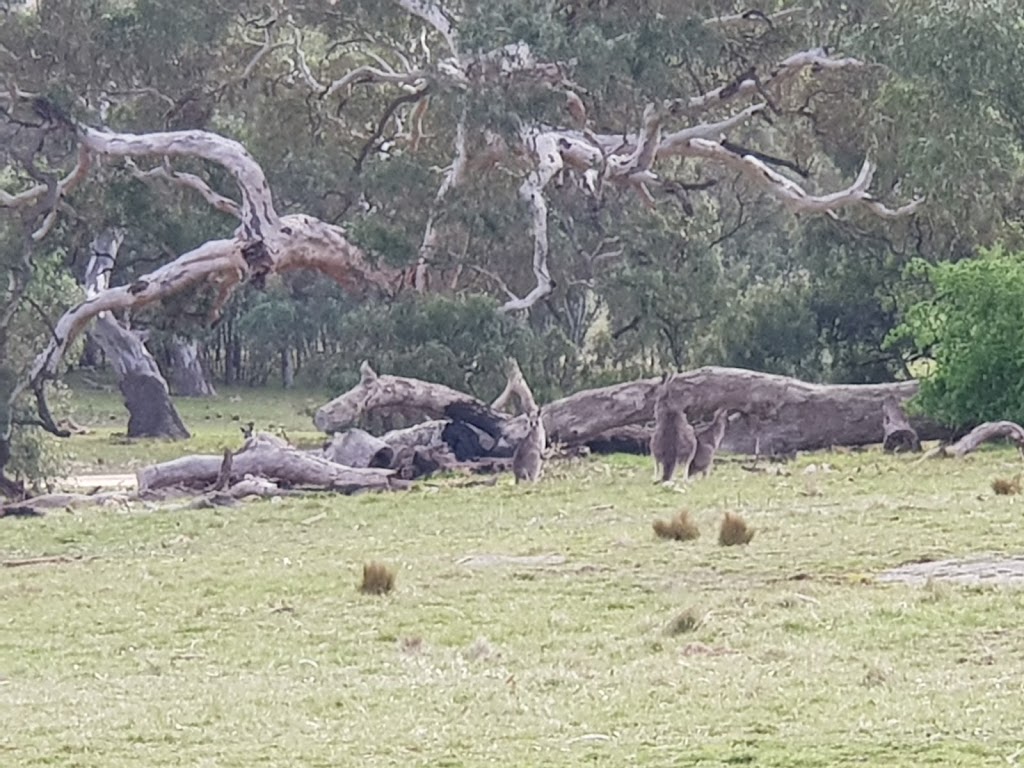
(778, 414)
(412, 398)
(270, 460)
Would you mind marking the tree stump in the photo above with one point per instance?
(898, 435)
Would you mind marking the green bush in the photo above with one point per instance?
(461, 342)
(970, 327)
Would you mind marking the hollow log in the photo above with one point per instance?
(899, 436)
(272, 461)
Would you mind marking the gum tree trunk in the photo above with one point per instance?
(188, 378)
(145, 391)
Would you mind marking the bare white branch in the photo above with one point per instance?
(259, 218)
(189, 181)
(794, 196)
(36, 191)
(366, 74)
(435, 15)
(453, 176)
(788, 68)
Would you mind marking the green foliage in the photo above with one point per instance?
(462, 343)
(971, 327)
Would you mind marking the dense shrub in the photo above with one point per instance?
(969, 330)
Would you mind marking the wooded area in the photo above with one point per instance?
(602, 191)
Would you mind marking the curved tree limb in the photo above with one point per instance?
(259, 218)
(189, 181)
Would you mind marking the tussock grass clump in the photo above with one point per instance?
(378, 579)
(1006, 487)
(687, 621)
(682, 527)
(734, 531)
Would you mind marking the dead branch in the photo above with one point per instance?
(271, 461)
(47, 560)
(516, 387)
(188, 181)
(990, 430)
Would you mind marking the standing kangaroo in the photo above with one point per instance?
(673, 443)
(708, 440)
(528, 459)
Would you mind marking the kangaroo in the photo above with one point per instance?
(673, 443)
(708, 440)
(528, 459)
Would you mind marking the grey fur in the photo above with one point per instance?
(673, 443)
(708, 440)
(528, 459)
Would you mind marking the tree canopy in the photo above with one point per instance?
(636, 185)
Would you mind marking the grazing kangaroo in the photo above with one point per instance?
(708, 440)
(673, 443)
(528, 459)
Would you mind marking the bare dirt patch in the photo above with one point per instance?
(985, 571)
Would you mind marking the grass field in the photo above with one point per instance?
(238, 637)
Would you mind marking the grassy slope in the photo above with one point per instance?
(237, 637)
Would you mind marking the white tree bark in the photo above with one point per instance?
(188, 378)
(146, 395)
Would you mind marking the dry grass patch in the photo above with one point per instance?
(682, 527)
(378, 579)
(1006, 487)
(734, 531)
(687, 621)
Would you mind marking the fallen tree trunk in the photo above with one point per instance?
(983, 433)
(356, 448)
(271, 460)
(778, 414)
(412, 398)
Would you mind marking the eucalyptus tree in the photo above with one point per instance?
(520, 147)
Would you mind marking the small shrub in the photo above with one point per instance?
(687, 621)
(734, 531)
(682, 527)
(378, 579)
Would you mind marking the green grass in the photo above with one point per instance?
(214, 422)
(238, 637)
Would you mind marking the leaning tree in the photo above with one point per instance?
(609, 107)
